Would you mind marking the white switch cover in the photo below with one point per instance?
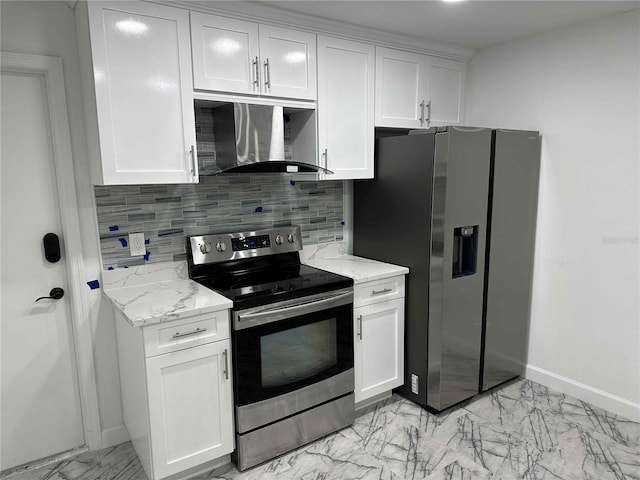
(136, 244)
(414, 383)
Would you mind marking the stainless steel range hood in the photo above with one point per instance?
(251, 138)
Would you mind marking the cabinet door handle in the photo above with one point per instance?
(422, 112)
(226, 364)
(378, 292)
(256, 81)
(428, 119)
(360, 326)
(326, 158)
(194, 161)
(267, 75)
(192, 332)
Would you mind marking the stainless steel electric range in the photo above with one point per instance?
(292, 337)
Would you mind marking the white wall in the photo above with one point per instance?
(579, 86)
(48, 28)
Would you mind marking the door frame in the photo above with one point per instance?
(51, 69)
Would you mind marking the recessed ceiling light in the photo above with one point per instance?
(453, 1)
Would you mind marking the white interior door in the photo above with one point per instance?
(39, 403)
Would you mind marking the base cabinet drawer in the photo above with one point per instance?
(378, 348)
(186, 333)
(378, 291)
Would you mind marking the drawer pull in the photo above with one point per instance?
(360, 326)
(226, 364)
(186, 334)
(378, 292)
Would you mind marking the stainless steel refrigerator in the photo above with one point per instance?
(457, 205)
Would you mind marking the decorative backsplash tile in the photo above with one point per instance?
(167, 214)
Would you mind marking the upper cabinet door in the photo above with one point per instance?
(400, 89)
(225, 54)
(288, 63)
(141, 63)
(445, 91)
(345, 107)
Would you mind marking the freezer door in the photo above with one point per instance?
(456, 280)
(514, 201)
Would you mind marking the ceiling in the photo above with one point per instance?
(472, 24)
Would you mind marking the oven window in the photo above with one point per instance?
(286, 355)
(298, 353)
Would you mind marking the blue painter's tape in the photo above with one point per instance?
(146, 256)
(93, 284)
(146, 242)
(292, 182)
(110, 268)
(113, 228)
(123, 241)
(258, 209)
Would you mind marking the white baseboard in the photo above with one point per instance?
(114, 436)
(599, 398)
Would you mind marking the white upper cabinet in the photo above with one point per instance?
(447, 80)
(345, 108)
(243, 57)
(418, 91)
(139, 94)
(225, 54)
(400, 89)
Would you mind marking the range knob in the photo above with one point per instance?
(278, 239)
(221, 246)
(205, 248)
(291, 238)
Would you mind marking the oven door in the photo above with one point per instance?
(288, 350)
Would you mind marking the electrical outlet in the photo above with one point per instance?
(414, 383)
(136, 244)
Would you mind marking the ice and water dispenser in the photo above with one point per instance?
(465, 251)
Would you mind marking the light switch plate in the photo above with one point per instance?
(414, 383)
(136, 244)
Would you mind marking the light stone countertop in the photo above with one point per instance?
(157, 293)
(360, 269)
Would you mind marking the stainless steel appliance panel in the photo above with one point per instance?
(510, 269)
(455, 316)
(277, 438)
(255, 415)
(392, 224)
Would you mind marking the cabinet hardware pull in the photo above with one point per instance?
(378, 292)
(194, 161)
(360, 326)
(256, 82)
(267, 74)
(326, 158)
(428, 113)
(226, 364)
(193, 332)
(422, 112)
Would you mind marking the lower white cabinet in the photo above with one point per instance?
(177, 406)
(379, 339)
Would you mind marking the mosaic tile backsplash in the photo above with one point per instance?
(167, 214)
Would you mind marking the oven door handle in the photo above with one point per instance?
(283, 310)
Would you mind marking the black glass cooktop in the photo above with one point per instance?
(255, 287)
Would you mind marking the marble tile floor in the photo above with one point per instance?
(521, 430)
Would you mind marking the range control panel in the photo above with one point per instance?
(248, 243)
(230, 246)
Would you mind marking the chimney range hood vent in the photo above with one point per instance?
(250, 138)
